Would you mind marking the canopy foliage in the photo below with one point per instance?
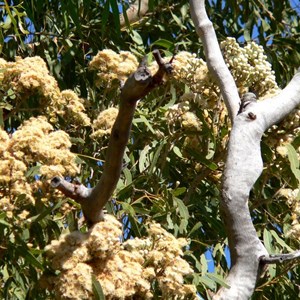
(172, 169)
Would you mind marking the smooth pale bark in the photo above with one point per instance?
(243, 164)
(280, 258)
(214, 58)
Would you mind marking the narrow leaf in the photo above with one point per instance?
(33, 171)
(164, 43)
(268, 240)
(208, 282)
(97, 289)
(177, 151)
(218, 279)
(176, 19)
(46, 212)
(29, 257)
(179, 191)
(183, 211)
(116, 14)
(136, 37)
(156, 157)
(135, 226)
(2, 221)
(128, 209)
(195, 228)
(294, 161)
(146, 122)
(143, 163)
(127, 175)
(104, 18)
(280, 241)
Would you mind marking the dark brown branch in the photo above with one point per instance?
(137, 86)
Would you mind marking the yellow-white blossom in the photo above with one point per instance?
(30, 76)
(104, 122)
(124, 270)
(111, 66)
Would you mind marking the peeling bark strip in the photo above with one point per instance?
(243, 164)
(137, 86)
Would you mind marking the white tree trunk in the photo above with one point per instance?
(244, 162)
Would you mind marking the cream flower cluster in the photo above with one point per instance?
(291, 196)
(104, 122)
(72, 108)
(193, 72)
(111, 65)
(284, 133)
(176, 111)
(35, 142)
(179, 113)
(190, 122)
(295, 226)
(124, 270)
(288, 129)
(249, 67)
(30, 76)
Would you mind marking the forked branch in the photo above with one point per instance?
(243, 163)
(137, 86)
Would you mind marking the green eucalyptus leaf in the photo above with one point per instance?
(294, 161)
(164, 43)
(183, 210)
(268, 240)
(218, 279)
(144, 158)
(97, 289)
(116, 14)
(136, 37)
(208, 281)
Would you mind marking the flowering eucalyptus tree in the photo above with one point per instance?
(138, 162)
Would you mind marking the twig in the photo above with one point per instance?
(280, 258)
(77, 192)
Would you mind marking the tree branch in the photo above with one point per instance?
(215, 61)
(75, 191)
(275, 109)
(243, 167)
(135, 12)
(137, 86)
(280, 258)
